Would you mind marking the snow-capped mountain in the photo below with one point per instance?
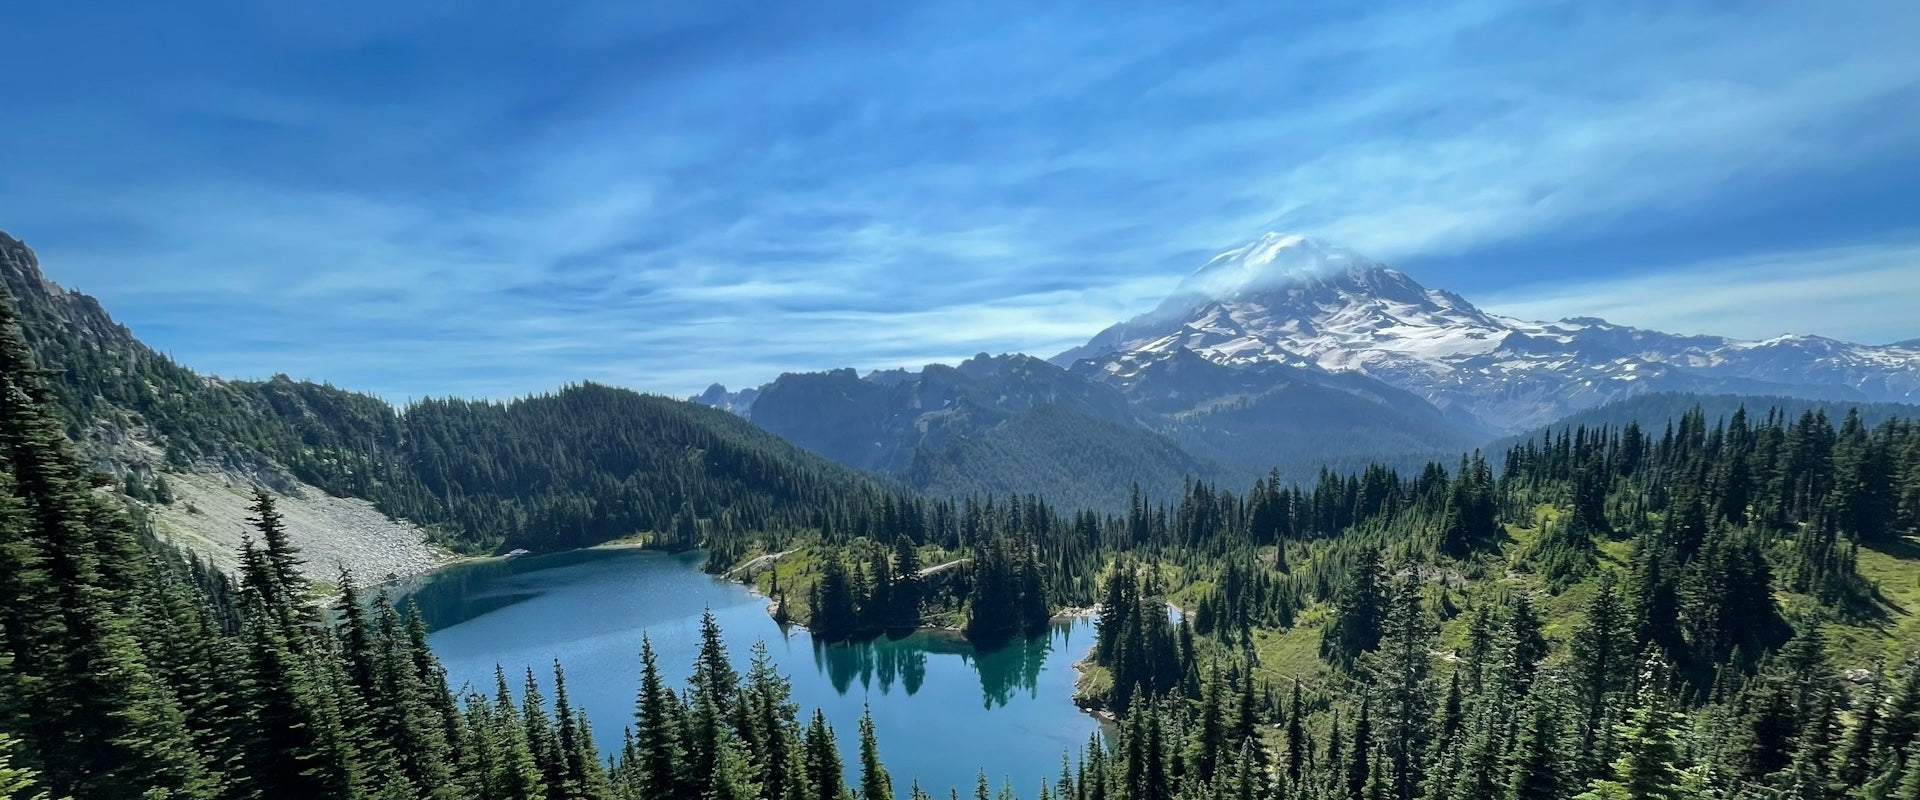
(1298, 301)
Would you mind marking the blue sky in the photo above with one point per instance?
(494, 198)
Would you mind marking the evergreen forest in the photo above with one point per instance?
(1719, 607)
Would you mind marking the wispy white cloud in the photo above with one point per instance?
(1864, 293)
(723, 193)
(1486, 121)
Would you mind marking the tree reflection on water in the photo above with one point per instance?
(884, 663)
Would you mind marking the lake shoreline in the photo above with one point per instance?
(593, 611)
(731, 576)
(1100, 714)
(952, 633)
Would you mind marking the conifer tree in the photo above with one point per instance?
(1599, 670)
(282, 556)
(774, 726)
(579, 759)
(1538, 766)
(1211, 734)
(875, 783)
(1478, 776)
(1647, 768)
(1296, 738)
(908, 590)
(296, 748)
(432, 680)
(1909, 779)
(409, 724)
(707, 734)
(102, 724)
(733, 777)
(1246, 724)
(514, 773)
(542, 740)
(835, 612)
(1358, 613)
(659, 733)
(1858, 756)
(1399, 675)
(1524, 646)
(1807, 776)
(824, 775)
(15, 783)
(1442, 762)
(713, 672)
(1360, 752)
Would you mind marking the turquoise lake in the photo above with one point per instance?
(942, 710)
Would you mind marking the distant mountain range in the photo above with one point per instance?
(1286, 351)
(1085, 435)
(1297, 301)
(1286, 354)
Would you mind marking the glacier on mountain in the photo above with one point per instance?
(1296, 300)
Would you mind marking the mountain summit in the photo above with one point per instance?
(1281, 261)
(1300, 301)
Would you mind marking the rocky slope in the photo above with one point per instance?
(126, 408)
(209, 513)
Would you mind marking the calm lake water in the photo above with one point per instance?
(942, 711)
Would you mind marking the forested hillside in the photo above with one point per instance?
(1088, 434)
(1707, 610)
(1052, 451)
(1710, 611)
(989, 425)
(1656, 409)
(577, 467)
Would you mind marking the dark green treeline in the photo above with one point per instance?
(1710, 564)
